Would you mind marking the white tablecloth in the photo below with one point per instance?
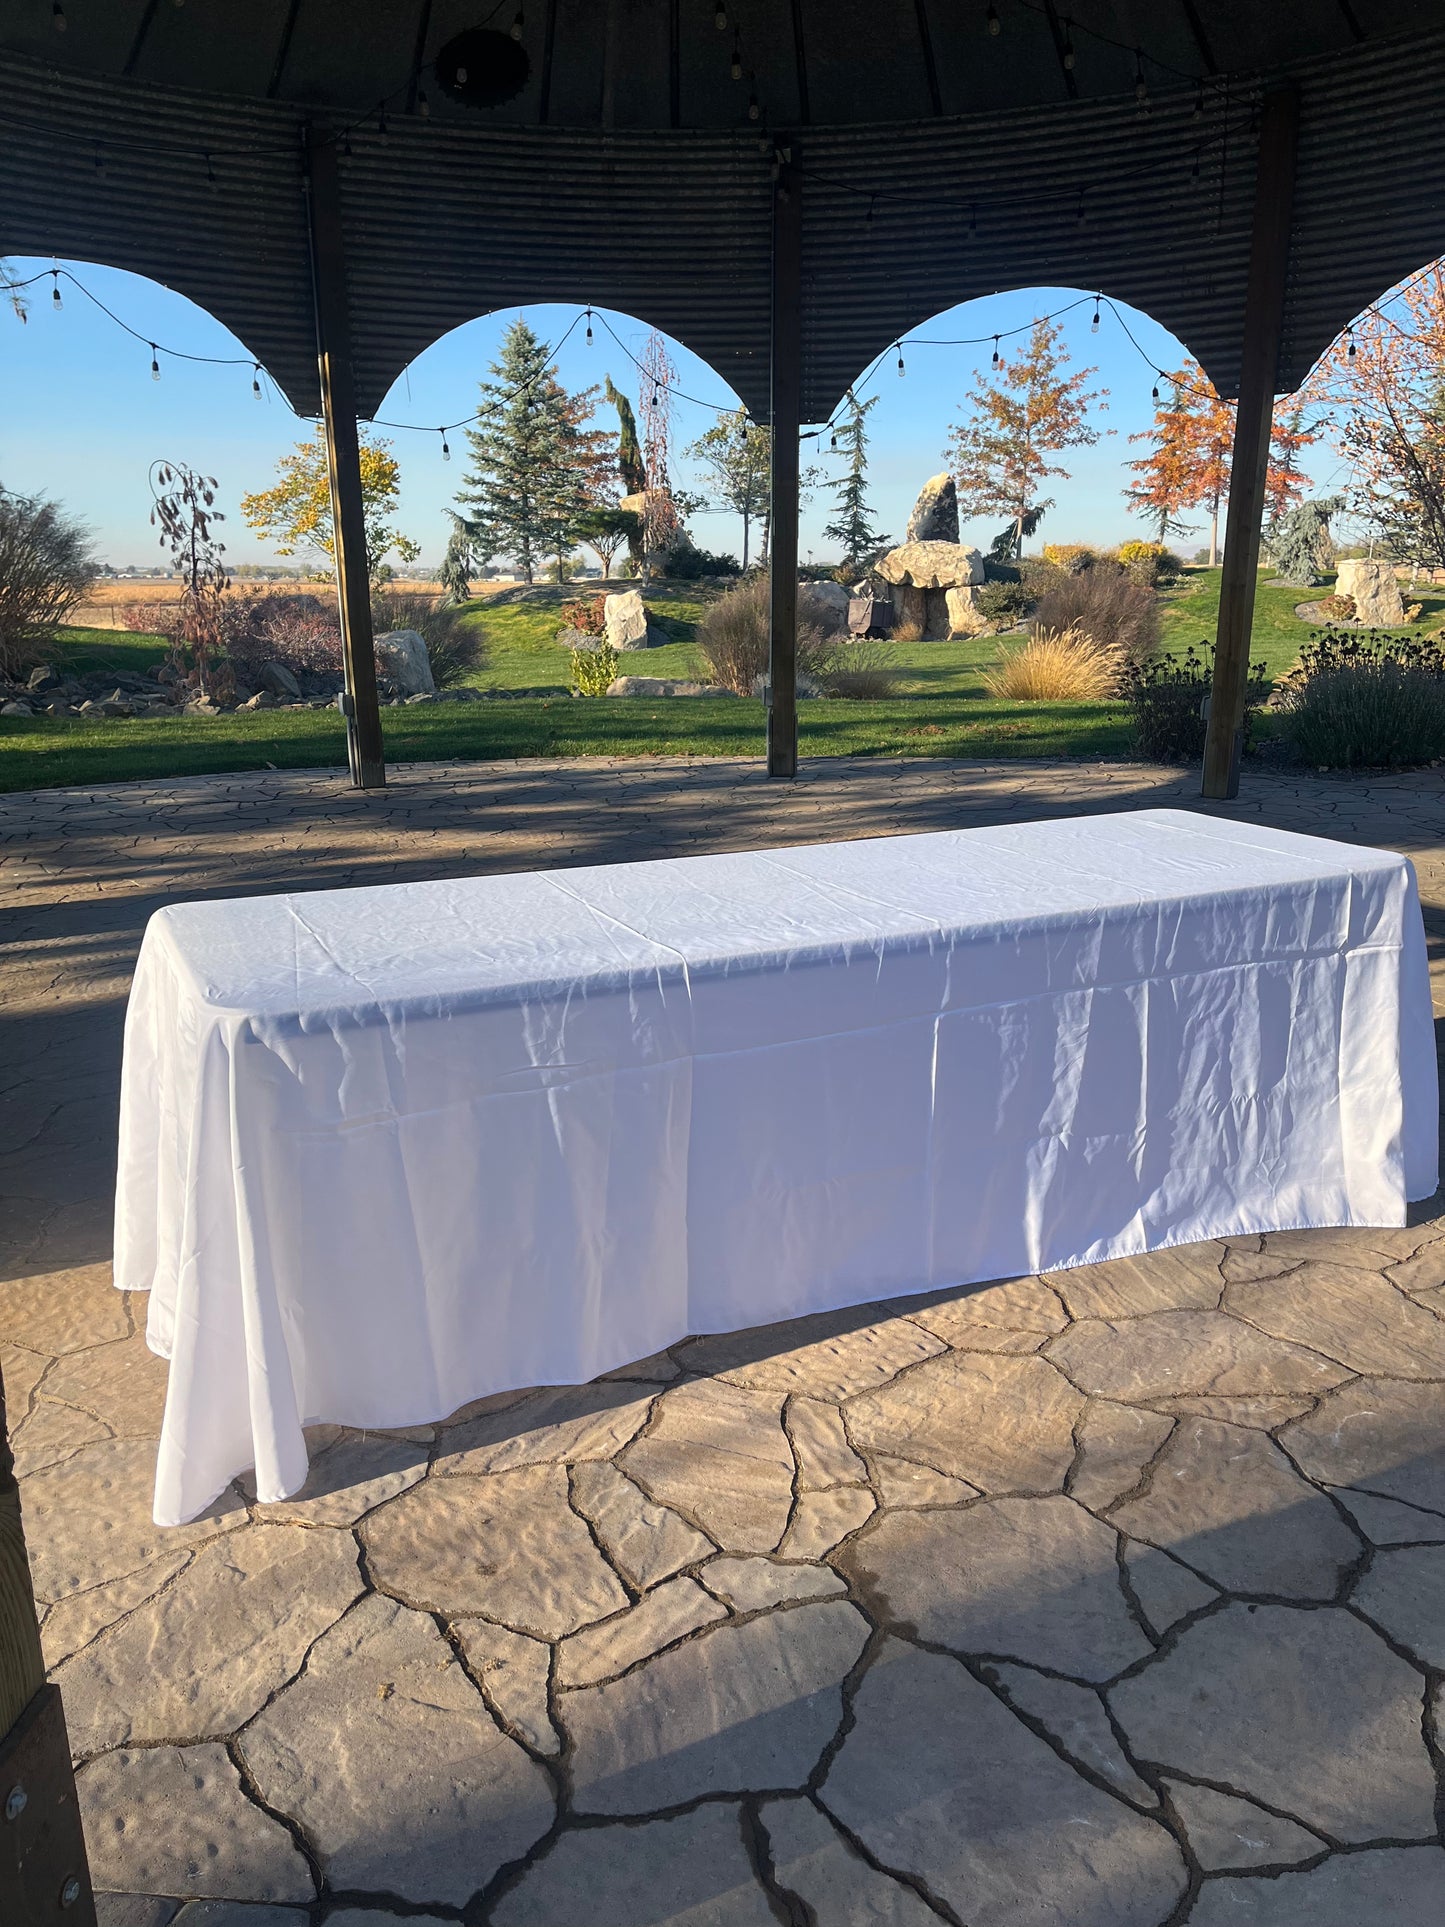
(384, 1151)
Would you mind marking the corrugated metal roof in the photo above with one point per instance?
(449, 218)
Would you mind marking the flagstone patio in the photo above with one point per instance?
(1113, 1598)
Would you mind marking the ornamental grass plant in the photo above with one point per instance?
(1372, 701)
(1106, 604)
(733, 636)
(1057, 665)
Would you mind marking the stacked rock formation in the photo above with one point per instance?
(930, 581)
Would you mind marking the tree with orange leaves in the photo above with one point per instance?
(1284, 483)
(1026, 411)
(1383, 382)
(1191, 443)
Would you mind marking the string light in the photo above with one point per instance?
(55, 300)
(1094, 324)
(833, 443)
(210, 172)
(57, 17)
(1154, 392)
(589, 327)
(973, 221)
(995, 25)
(1068, 53)
(256, 380)
(423, 105)
(901, 370)
(1141, 85)
(1350, 341)
(995, 351)
(155, 364)
(1199, 103)
(737, 61)
(1081, 217)
(446, 451)
(754, 110)
(99, 165)
(381, 127)
(720, 19)
(517, 25)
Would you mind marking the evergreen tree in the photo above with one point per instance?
(534, 464)
(853, 527)
(631, 471)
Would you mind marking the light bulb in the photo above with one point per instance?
(995, 351)
(834, 442)
(589, 327)
(1350, 341)
(720, 19)
(446, 451)
(1154, 392)
(1094, 324)
(737, 62)
(55, 300)
(423, 106)
(461, 76)
(57, 17)
(256, 381)
(995, 25)
(517, 25)
(381, 127)
(901, 370)
(1068, 46)
(753, 108)
(155, 364)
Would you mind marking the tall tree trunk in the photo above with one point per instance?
(1214, 533)
(747, 523)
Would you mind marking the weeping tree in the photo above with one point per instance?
(460, 560)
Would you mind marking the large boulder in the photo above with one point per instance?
(932, 565)
(826, 604)
(1376, 592)
(402, 659)
(276, 677)
(965, 618)
(626, 621)
(935, 513)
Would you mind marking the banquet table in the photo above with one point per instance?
(388, 1150)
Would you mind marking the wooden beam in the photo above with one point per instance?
(1254, 419)
(43, 1872)
(338, 404)
(786, 373)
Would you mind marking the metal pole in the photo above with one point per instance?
(338, 403)
(44, 1876)
(1254, 419)
(786, 370)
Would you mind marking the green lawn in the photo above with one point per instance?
(942, 708)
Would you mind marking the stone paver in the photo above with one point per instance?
(737, 1707)
(1033, 1579)
(1309, 1713)
(718, 1453)
(203, 1656)
(1227, 1833)
(386, 1758)
(509, 1547)
(1401, 1885)
(812, 1860)
(645, 1650)
(175, 1820)
(693, 1871)
(1230, 1504)
(999, 1828)
(1003, 1424)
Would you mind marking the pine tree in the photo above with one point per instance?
(854, 528)
(1025, 411)
(534, 466)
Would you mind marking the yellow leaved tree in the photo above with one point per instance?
(296, 513)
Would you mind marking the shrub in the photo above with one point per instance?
(1148, 562)
(587, 615)
(1072, 557)
(594, 669)
(1105, 604)
(1038, 577)
(46, 568)
(302, 631)
(909, 631)
(1057, 665)
(688, 564)
(1000, 602)
(1372, 701)
(453, 642)
(733, 636)
(860, 671)
(1168, 697)
(1337, 608)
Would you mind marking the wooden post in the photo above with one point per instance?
(338, 404)
(786, 371)
(1253, 421)
(44, 1877)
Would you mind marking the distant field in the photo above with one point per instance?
(105, 606)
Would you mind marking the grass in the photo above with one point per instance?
(942, 707)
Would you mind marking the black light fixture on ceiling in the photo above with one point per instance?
(481, 68)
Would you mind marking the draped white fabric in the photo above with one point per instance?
(384, 1151)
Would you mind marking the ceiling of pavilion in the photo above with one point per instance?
(664, 63)
(939, 164)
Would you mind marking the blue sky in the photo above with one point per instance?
(83, 418)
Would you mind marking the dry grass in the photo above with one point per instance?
(906, 632)
(1057, 666)
(105, 607)
(860, 671)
